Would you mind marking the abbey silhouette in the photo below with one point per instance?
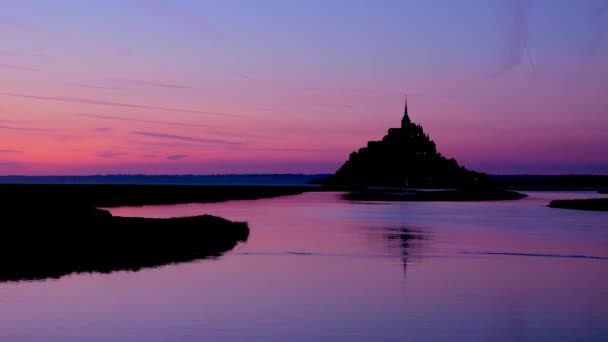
(405, 157)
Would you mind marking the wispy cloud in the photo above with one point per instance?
(120, 50)
(18, 54)
(150, 156)
(9, 53)
(183, 17)
(112, 104)
(10, 166)
(110, 154)
(169, 123)
(11, 24)
(67, 138)
(185, 138)
(243, 75)
(177, 144)
(90, 86)
(151, 84)
(10, 121)
(516, 42)
(17, 67)
(335, 105)
(176, 156)
(8, 151)
(106, 117)
(103, 129)
(30, 129)
(599, 33)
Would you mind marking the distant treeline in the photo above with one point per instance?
(554, 181)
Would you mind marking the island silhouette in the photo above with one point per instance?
(405, 157)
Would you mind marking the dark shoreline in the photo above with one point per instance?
(592, 204)
(98, 195)
(53, 230)
(95, 241)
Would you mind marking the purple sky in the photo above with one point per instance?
(174, 87)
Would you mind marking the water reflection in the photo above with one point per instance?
(408, 242)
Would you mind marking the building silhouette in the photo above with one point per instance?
(405, 157)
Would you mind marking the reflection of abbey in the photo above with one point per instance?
(406, 156)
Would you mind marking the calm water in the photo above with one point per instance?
(317, 268)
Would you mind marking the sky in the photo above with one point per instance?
(289, 86)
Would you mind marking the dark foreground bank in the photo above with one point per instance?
(595, 204)
(52, 230)
(52, 241)
(427, 196)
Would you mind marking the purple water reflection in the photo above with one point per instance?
(317, 268)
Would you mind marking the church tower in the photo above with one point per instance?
(406, 118)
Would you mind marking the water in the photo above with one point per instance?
(317, 268)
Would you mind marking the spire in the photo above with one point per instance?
(406, 118)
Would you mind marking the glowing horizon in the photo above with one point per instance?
(189, 87)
